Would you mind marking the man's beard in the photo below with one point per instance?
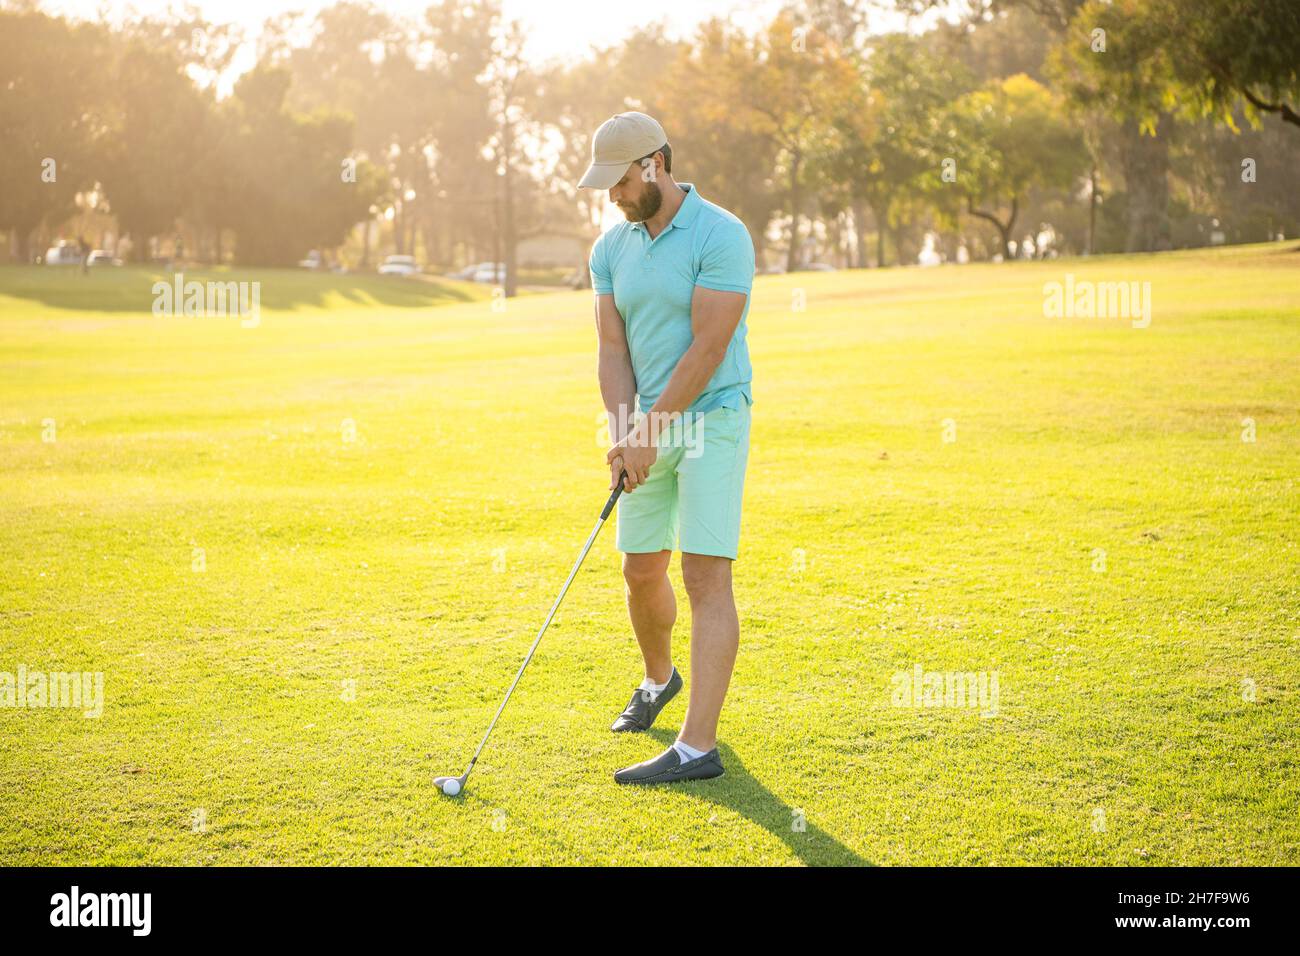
(649, 203)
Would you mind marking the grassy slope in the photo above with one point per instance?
(373, 561)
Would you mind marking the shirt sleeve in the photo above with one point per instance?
(727, 261)
(601, 282)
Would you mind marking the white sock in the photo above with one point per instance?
(687, 752)
(656, 689)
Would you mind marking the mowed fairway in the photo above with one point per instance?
(297, 631)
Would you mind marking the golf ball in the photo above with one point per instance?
(451, 787)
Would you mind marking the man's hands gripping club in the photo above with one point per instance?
(635, 454)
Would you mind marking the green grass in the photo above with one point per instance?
(373, 561)
(107, 289)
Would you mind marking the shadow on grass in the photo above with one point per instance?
(130, 288)
(741, 792)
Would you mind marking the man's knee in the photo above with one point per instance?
(645, 571)
(706, 576)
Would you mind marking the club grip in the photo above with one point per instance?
(618, 490)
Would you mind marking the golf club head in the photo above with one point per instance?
(450, 786)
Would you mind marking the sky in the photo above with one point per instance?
(555, 28)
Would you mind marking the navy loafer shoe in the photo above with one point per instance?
(644, 706)
(668, 768)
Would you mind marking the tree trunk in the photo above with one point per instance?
(512, 280)
(1004, 229)
(1092, 210)
(1011, 224)
(878, 220)
(860, 232)
(1145, 160)
(432, 254)
(760, 251)
(792, 256)
(496, 236)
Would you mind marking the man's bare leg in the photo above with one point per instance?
(652, 606)
(715, 638)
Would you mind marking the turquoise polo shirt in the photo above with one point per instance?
(652, 281)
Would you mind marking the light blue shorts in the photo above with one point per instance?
(691, 501)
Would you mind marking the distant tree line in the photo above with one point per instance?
(1024, 127)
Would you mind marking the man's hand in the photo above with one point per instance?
(634, 454)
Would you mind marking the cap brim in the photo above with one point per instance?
(602, 177)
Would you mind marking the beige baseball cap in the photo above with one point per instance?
(621, 140)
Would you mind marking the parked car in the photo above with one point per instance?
(101, 258)
(818, 267)
(399, 266)
(314, 260)
(489, 272)
(63, 253)
(480, 272)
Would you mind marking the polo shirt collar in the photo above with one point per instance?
(689, 208)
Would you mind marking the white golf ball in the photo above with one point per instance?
(451, 786)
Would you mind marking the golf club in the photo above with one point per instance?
(451, 786)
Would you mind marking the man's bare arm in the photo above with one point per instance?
(714, 317)
(614, 370)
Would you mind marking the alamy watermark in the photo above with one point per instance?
(1085, 299)
(73, 690)
(194, 299)
(971, 690)
(75, 908)
(675, 430)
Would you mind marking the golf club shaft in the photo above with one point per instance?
(591, 539)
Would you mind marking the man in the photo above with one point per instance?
(672, 291)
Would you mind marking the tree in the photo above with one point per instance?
(359, 63)
(1013, 138)
(159, 131)
(795, 82)
(459, 114)
(1209, 56)
(890, 135)
(52, 101)
(512, 85)
(729, 155)
(1108, 67)
(290, 192)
